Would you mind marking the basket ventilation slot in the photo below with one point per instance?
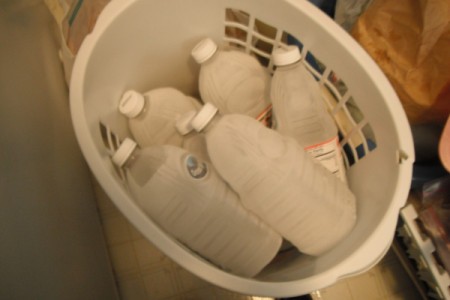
(111, 142)
(245, 31)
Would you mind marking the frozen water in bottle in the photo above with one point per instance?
(300, 112)
(188, 199)
(278, 180)
(152, 115)
(232, 80)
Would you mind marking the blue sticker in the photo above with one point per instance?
(196, 168)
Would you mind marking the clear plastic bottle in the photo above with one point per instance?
(232, 80)
(187, 198)
(300, 112)
(278, 181)
(152, 115)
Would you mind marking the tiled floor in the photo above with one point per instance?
(386, 281)
(144, 273)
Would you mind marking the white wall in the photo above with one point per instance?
(51, 241)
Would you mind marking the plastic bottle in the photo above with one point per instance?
(299, 110)
(232, 80)
(187, 198)
(278, 181)
(152, 115)
(193, 142)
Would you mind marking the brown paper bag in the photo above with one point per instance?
(410, 41)
(80, 20)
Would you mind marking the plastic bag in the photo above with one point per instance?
(435, 217)
(410, 40)
(80, 21)
(75, 19)
(348, 11)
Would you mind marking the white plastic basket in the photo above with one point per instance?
(143, 44)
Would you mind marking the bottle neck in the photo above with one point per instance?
(212, 123)
(291, 65)
(144, 107)
(210, 58)
(131, 160)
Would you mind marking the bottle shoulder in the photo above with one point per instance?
(233, 59)
(297, 69)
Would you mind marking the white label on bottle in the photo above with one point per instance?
(329, 155)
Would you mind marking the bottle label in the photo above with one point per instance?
(265, 116)
(329, 155)
(196, 168)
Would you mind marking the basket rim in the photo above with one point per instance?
(351, 265)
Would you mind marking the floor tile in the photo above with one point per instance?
(366, 286)
(338, 291)
(177, 297)
(223, 294)
(405, 295)
(148, 255)
(104, 203)
(206, 293)
(135, 234)
(124, 259)
(188, 281)
(116, 229)
(160, 284)
(395, 279)
(132, 289)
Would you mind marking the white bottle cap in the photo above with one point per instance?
(123, 153)
(183, 124)
(283, 57)
(204, 116)
(131, 103)
(204, 50)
